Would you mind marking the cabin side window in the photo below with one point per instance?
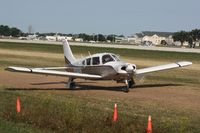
(95, 61)
(106, 58)
(88, 61)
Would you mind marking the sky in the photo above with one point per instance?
(101, 16)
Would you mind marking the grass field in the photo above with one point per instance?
(171, 97)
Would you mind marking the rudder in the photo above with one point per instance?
(69, 57)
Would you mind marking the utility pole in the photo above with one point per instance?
(30, 29)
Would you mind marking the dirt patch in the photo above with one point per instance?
(179, 96)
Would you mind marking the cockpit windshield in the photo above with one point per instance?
(115, 57)
(107, 58)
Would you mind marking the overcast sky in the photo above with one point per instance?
(101, 16)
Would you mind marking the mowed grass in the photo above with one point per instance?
(61, 111)
(48, 112)
(126, 53)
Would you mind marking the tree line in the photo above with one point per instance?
(192, 37)
(15, 32)
(84, 36)
(10, 31)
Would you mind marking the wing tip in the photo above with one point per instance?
(9, 69)
(20, 69)
(184, 63)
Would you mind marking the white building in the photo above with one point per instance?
(58, 38)
(51, 38)
(121, 39)
(154, 37)
(178, 43)
(69, 38)
(170, 40)
(79, 39)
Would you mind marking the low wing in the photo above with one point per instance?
(52, 68)
(163, 67)
(53, 72)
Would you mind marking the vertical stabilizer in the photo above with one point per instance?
(69, 57)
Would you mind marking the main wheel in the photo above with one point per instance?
(131, 82)
(72, 85)
(126, 89)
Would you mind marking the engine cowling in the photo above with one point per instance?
(129, 68)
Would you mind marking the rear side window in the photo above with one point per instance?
(95, 61)
(88, 61)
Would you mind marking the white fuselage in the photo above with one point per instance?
(107, 65)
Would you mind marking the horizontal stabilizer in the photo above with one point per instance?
(163, 67)
(53, 72)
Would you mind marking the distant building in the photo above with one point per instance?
(58, 38)
(178, 43)
(154, 37)
(32, 37)
(119, 39)
(69, 38)
(79, 39)
(51, 38)
(29, 37)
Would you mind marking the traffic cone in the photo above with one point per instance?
(115, 117)
(149, 125)
(18, 105)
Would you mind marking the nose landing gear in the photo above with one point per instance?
(129, 83)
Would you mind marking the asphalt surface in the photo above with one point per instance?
(173, 49)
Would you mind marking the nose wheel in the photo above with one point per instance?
(128, 84)
(131, 82)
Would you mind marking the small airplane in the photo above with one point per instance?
(101, 66)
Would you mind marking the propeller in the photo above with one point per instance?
(139, 78)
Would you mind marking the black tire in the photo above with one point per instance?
(72, 85)
(126, 89)
(131, 82)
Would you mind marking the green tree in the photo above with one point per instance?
(195, 34)
(4, 30)
(7, 31)
(181, 36)
(111, 38)
(85, 37)
(190, 41)
(100, 38)
(15, 32)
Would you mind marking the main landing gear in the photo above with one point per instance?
(71, 84)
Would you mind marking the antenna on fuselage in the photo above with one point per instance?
(89, 53)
